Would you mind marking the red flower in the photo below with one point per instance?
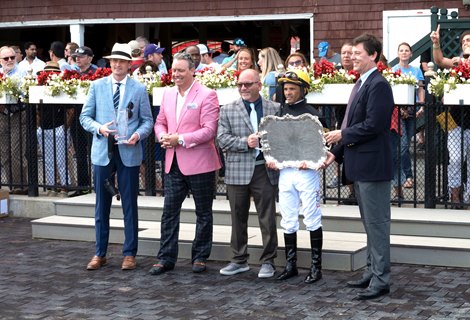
(43, 76)
(167, 79)
(461, 71)
(323, 67)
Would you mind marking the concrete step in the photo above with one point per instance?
(341, 251)
(338, 218)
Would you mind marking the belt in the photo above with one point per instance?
(259, 162)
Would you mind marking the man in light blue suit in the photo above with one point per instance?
(107, 97)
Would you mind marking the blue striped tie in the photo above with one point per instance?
(117, 96)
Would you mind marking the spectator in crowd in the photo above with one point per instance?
(195, 54)
(31, 61)
(154, 53)
(460, 134)
(299, 188)
(19, 54)
(143, 42)
(186, 127)
(269, 61)
(231, 61)
(408, 123)
(69, 50)
(246, 175)
(438, 56)
(56, 54)
(206, 57)
(83, 57)
(97, 117)
(137, 56)
(325, 52)
(80, 138)
(52, 137)
(246, 59)
(295, 60)
(224, 49)
(364, 147)
(12, 129)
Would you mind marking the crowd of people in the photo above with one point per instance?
(191, 127)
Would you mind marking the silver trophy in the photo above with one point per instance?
(289, 140)
(122, 124)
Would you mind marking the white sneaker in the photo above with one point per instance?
(234, 268)
(266, 271)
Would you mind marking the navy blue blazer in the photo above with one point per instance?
(365, 147)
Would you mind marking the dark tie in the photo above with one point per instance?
(117, 96)
(354, 91)
(254, 120)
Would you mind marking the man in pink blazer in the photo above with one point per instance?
(186, 127)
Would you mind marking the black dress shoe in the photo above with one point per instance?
(199, 266)
(159, 269)
(372, 293)
(362, 283)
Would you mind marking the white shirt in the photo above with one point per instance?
(37, 65)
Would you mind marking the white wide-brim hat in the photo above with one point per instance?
(120, 51)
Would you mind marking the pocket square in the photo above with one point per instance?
(192, 105)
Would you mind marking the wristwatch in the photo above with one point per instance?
(180, 141)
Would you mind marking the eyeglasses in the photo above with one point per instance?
(295, 63)
(247, 85)
(9, 58)
(130, 106)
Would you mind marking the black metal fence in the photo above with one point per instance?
(45, 149)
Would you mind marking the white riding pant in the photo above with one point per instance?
(299, 193)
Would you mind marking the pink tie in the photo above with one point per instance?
(354, 91)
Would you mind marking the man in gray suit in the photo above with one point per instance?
(246, 174)
(108, 97)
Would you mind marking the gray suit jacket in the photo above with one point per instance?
(98, 109)
(233, 131)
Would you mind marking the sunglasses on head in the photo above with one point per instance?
(247, 85)
(9, 58)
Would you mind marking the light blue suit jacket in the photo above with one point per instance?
(99, 109)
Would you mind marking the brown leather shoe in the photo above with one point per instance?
(96, 263)
(128, 263)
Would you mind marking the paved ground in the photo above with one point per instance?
(44, 279)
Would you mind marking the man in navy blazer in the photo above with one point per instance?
(363, 145)
(106, 98)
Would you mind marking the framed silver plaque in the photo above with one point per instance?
(290, 140)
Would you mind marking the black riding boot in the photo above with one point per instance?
(291, 256)
(316, 243)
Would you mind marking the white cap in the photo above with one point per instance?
(202, 49)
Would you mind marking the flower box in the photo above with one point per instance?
(227, 95)
(157, 95)
(459, 94)
(38, 94)
(335, 93)
(404, 94)
(7, 99)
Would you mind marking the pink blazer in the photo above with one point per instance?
(198, 125)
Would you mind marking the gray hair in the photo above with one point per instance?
(185, 56)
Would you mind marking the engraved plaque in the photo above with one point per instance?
(289, 140)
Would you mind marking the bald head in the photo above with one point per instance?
(249, 75)
(249, 85)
